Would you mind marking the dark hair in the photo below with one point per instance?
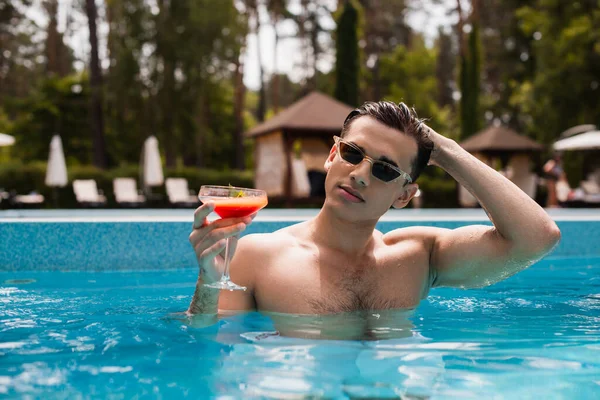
(404, 119)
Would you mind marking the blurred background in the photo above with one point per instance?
(136, 103)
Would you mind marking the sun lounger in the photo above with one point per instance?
(179, 193)
(87, 193)
(14, 200)
(590, 187)
(126, 193)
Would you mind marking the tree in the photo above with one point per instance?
(509, 60)
(128, 95)
(408, 75)
(314, 39)
(278, 12)
(59, 60)
(20, 51)
(253, 9)
(470, 73)
(444, 71)
(96, 117)
(385, 28)
(347, 57)
(560, 94)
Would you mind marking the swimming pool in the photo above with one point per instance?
(89, 303)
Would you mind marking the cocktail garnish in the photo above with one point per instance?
(235, 193)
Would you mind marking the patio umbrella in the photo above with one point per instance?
(575, 130)
(152, 173)
(583, 141)
(6, 140)
(56, 170)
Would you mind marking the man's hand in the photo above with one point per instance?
(209, 240)
(439, 142)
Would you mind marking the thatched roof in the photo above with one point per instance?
(315, 112)
(500, 139)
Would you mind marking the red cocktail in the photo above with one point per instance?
(238, 207)
(232, 202)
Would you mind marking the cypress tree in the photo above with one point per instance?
(470, 86)
(474, 77)
(346, 64)
(464, 96)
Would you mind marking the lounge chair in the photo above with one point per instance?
(31, 200)
(126, 193)
(591, 190)
(179, 193)
(87, 193)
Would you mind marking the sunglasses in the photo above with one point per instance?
(381, 170)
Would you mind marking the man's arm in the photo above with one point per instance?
(208, 238)
(212, 301)
(476, 256)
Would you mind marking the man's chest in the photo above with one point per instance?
(305, 282)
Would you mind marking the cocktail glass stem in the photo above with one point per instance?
(225, 282)
(225, 277)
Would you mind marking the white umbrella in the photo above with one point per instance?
(575, 130)
(56, 171)
(583, 141)
(152, 174)
(6, 140)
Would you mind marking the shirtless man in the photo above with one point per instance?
(337, 262)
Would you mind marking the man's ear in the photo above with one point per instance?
(408, 192)
(330, 158)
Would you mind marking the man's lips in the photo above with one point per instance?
(352, 192)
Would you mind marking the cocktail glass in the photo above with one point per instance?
(232, 202)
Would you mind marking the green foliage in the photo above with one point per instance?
(408, 75)
(438, 190)
(347, 56)
(573, 162)
(564, 88)
(470, 77)
(59, 106)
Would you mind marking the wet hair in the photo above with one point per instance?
(402, 118)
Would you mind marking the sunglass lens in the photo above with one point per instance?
(384, 172)
(350, 154)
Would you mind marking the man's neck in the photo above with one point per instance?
(349, 237)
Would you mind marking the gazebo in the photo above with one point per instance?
(294, 143)
(510, 147)
(499, 141)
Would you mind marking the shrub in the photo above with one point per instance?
(438, 191)
(25, 178)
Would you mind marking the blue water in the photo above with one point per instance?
(117, 334)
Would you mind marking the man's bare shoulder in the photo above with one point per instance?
(265, 244)
(426, 234)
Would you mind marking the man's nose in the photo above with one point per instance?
(362, 173)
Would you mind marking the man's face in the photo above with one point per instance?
(375, 197)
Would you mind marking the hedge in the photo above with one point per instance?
(25, 178)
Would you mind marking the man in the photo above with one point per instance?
(337, 262)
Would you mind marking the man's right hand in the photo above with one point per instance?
(209, 239)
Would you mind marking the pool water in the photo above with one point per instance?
(117, 334)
